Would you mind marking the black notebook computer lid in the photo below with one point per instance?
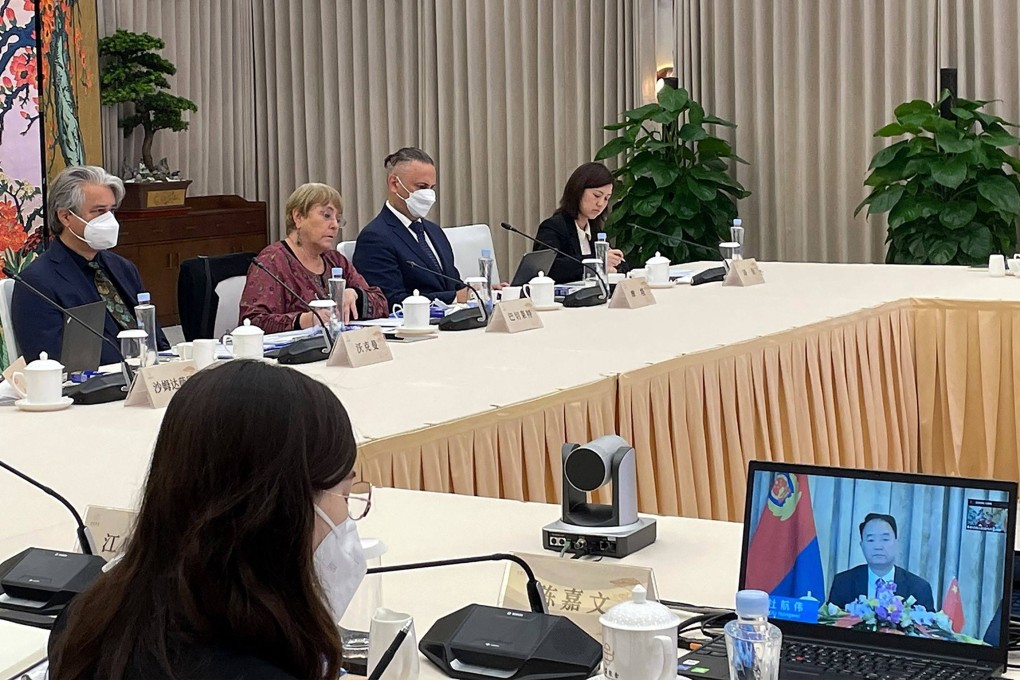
(80, 350)
(891, 561)
(531, 264)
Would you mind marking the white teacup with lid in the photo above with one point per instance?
(639, 639)
(541, 291)
(245, 341)
(41, 382)
(415, 309)
(657, 270)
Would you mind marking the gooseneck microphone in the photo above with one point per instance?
(39, 583)
(306, 350)
(587, 296)
(462, 319)
(535, 596)
(710, 275)
(101, 389)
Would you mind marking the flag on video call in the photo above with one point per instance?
(952, 605)
(783, 558)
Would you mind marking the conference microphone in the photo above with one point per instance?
(710, 275)
(587, 296)
(462, 319)
(306, 350)
(39, 583)
(101, 389)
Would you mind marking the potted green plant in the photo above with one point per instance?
(946, 187)
(133, 73)
(673, 178)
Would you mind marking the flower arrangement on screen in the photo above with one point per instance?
(888, 612)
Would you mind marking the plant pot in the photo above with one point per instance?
(154, 195)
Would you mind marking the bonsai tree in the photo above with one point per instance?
(673, 179)
(133, 73)
(946, 187)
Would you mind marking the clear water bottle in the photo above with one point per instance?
(737, 236)
(602, 253)
(337, 288)
(145, 315)
(752, 643)
(485, 268)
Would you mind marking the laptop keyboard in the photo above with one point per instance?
(861, 663)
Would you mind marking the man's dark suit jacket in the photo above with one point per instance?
(560, 232)
(383, 249)
(66, 278)
(849, 584)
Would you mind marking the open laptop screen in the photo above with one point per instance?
(912, 555)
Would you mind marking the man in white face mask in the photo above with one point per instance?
(401, 233)
(78, 267)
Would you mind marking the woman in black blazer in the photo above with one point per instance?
(580, 217)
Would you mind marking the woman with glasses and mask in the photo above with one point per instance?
(244, 554)
(304, 260)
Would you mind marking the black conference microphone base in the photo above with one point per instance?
(466, 319)
(99, 390)
(589, 296)
(304, 351)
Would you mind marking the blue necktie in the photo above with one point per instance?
(430, 257)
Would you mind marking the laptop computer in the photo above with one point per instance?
(942, 550)
(81, 350)
(531, 264)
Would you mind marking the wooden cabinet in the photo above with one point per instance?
(157, 241)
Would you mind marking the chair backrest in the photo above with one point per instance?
(228, 309)
(346, 248)
(6, 319)
(197, 294)
(468, 243)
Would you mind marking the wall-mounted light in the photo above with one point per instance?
(664, 78)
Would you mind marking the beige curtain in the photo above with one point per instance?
(809, 82)
(508, 97)
(211, 45)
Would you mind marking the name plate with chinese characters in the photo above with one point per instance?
(581, 591)
(744, 273)
(362, 347)
(514, 316)
(110, 527)
(154, 386)
(632, 294)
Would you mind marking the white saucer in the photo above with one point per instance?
(26, 405)
(549, 308)
(658, 286)
(400, 330)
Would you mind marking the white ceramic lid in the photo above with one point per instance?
(247, 329)
(133, 333)
(325, 304)
(44, 363)
(541, 278)
(639, 613)
(417, 299)
(372, 548)
(657, 260)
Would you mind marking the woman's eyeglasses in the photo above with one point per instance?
(359, 500)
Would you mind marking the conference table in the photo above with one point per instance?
(890, 367)
(694, 560)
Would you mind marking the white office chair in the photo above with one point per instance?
(468, 243)
(346, 248)
(6, 320)
(229, 309)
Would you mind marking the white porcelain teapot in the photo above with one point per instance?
(639, 640)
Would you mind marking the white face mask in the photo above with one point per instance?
(419, 202)
(340, 564)
(100, 233)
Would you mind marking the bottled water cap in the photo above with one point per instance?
(602, 236)
(486, 253)
(752, 603)
(338, 272)
(143, 298)
(737, 222)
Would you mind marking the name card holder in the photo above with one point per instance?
(16, 365)
(514, 316)
(111, 528)
(744, 273)
(154, 386)
(362, 347)
(632, 294)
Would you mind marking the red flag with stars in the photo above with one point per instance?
(952, 605)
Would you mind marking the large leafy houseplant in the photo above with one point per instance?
(946, 187)
(673, 178)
